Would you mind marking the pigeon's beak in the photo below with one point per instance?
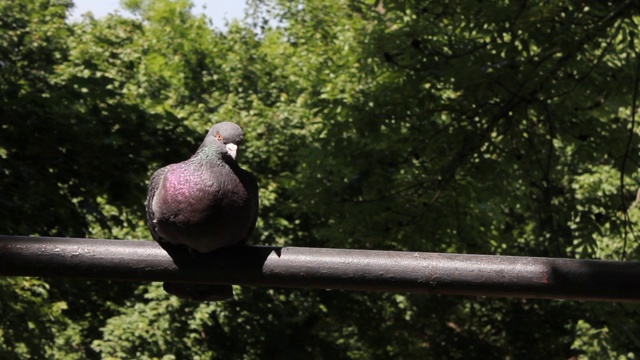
(232, 149)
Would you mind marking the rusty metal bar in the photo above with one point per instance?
(292, 267)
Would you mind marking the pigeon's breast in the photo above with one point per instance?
(189, 197)
(203, 210)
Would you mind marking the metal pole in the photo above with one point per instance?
(365, 270)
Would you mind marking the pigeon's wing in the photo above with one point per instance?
(154, 184)
(251, 185)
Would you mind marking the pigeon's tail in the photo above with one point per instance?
(199, 292)
(184, 257)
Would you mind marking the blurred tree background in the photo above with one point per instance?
(450, 126)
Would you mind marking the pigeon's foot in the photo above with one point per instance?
(199, 292)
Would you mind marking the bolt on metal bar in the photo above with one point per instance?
(294, 267)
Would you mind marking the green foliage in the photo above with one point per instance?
(26, 331)
(472, 127)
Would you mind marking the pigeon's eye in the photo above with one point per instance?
(218, 136)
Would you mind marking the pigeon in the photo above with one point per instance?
(202, 204)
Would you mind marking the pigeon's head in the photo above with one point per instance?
(227, 136)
